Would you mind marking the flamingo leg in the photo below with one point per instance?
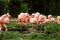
(5, 27)
(0, 27)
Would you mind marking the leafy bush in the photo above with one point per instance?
(24, 7)
(1, 7)
(17, 6)
(52, 27)
(14, 7)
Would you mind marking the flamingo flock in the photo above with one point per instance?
(34, 18)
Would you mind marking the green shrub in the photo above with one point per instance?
(24, 7)
(1, 7)
(17, 6)
(52, 27)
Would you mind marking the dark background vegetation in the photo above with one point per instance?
(14, 7)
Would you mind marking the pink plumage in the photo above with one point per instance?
(52, 19)
(32, 15)
(58, 19)
(49, 16)
(6, 20)
(3, 16)
(1, 20)
(8, 15)
(21, 17)
(37, 14)
(41, 18)
(33, 20)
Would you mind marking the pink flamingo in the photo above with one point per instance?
(37, 14)
(5, 20)
(58, 19)
(52, 20)
(27, 17)
(21, 17)
(33, 21)
(41, 18)
(49, 16)
(8, 15)
(32, 15)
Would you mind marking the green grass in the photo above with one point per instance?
(31, 36)
(13, 19)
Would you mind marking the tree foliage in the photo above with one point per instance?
(14, 7)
